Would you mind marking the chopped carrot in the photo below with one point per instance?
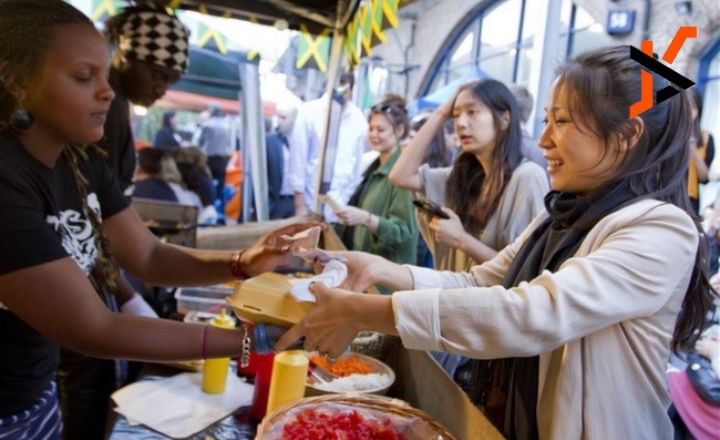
(345, 366)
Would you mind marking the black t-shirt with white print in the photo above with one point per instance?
(41, 220)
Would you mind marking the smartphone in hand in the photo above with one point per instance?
(430, 207)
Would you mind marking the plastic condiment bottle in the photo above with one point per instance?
(215, 370)
(288, 379)
(263, 372)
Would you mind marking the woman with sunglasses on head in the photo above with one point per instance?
(593, 295)
(379, 219)
(491, 192)
(64, 223)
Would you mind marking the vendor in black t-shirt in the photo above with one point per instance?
(63, 221)
(150, 53)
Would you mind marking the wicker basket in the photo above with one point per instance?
(383, 404)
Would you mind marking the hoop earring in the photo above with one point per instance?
(21, 120)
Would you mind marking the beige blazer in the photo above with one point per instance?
(601, 324)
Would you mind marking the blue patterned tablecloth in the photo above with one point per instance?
(228, 428)
(234, 427)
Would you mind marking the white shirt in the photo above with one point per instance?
(601, 323)
(305, 143)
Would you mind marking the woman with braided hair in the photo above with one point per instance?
(150, 52)
(64, 222)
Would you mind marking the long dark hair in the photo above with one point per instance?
(437, 155)
(468, 193)
(604, 84)
(26, 31)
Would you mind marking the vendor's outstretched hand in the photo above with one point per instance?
(329, 327)
(271, 249)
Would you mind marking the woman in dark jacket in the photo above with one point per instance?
(167, 138)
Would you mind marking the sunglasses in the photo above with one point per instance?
(387, 108)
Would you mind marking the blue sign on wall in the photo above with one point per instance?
(620, 21)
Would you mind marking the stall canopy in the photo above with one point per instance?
(212, 74)
(211, 78)
(316, 15)
(190, 101)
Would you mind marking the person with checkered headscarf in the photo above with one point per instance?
(150, 54)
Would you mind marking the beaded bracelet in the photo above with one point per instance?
(236, 267)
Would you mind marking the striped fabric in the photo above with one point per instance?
(40, 422)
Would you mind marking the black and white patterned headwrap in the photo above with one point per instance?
(156, 38)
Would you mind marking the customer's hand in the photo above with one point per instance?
(271, 249)
(352, 216)
(449, 232)
(364, 269)
(330, 326)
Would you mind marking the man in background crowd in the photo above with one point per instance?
(280, 195)
(530, 146)
(345, 147)
(215, 141)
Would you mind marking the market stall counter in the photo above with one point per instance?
(420, 381)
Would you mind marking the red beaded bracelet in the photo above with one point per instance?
(236, 267)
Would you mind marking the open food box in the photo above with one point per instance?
(420, 381)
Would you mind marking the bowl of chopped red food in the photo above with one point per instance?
(351, 417)
(353, 373)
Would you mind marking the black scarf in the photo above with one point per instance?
(553, 242)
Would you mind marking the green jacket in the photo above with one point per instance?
(397, 233)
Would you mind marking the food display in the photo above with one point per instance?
(350, 417)
(325, 425)
(356, 383)
(355, 373)
(345, 366)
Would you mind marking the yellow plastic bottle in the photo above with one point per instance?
(288, 379)
(215, 370)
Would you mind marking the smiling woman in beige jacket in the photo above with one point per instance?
(592, 296)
